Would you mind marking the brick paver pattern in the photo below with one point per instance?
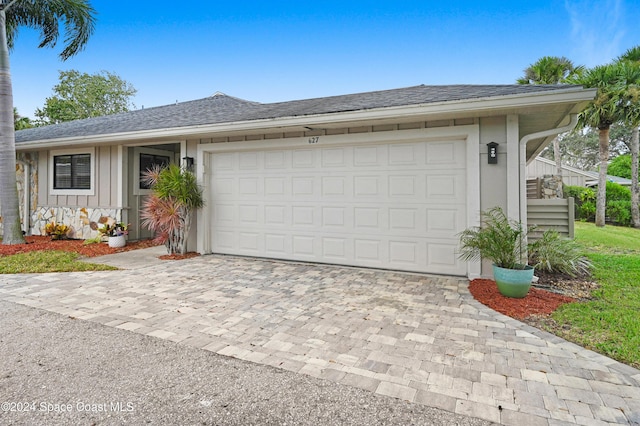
(419, 338)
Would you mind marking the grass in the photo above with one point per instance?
(47, 261)
(610, 323)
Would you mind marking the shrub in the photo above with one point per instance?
(618, 209)
(586, 211)
(585, 201)
(57, 231)
(619, 212)
(580, 193)
(168, 210)
(553, 253)
(95, 240)
(617, 192)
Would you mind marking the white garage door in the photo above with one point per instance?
(392, 205)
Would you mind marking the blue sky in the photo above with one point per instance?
(283, 50)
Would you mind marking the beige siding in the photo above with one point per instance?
(106, 165)
(493, 177)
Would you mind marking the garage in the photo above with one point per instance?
(395, 204)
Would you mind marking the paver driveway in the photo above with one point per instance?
(416, 337)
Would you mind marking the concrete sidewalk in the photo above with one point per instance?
(418, 338)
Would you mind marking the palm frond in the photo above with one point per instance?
(76, 16)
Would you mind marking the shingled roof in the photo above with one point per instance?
(221, 108)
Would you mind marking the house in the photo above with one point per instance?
(572, 176)
(383, 179)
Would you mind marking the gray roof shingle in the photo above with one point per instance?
(221, 108)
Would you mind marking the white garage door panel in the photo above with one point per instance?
(397, 206)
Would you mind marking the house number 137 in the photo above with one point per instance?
(314, 139)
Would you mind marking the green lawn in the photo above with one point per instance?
(610, 323)
(46, 261)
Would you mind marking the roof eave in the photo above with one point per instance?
(477, 106)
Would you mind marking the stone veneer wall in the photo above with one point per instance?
(82, 221)
(552, 187)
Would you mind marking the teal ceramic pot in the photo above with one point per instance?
(513, 282)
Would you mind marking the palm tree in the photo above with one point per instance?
(169, 209)
(21, 122)
(78, 19)
(616, 87)
(551, 70)
(633, 55)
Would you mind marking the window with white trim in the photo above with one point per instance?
(72, 171)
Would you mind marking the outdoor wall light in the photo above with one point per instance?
(188, 163)
(492, 152)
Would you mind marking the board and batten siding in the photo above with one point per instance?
(557, 214)
(104, 182)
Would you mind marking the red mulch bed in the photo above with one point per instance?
(35, 243)
(187, 255)
(537, 302)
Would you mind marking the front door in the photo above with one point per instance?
(143, 159)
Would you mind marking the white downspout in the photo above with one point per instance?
(26, 200)
(523, 160)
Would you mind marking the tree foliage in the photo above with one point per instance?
(616, 101)
(621, 166)
(80, 95)
(580, 149)
(21, 122)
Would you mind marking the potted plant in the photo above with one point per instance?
(504, 242)
(115, 231)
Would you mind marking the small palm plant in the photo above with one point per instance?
(552, 253)
(169, 209)
(504, 242)
(501, 240)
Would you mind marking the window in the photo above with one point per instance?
(72, 171)
(148, 162)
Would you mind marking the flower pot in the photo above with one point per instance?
(513, 282)
(117, 241)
